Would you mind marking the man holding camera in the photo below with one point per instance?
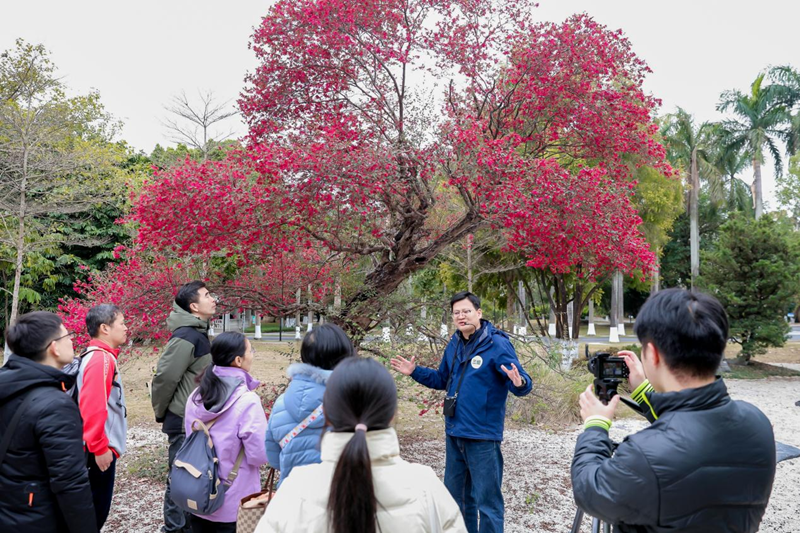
(707, 462)
(477, 371)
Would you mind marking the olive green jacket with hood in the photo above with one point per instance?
(185, 356)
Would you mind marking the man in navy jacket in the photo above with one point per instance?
(478, 369)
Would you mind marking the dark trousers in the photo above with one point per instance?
(102, 484)
(175, 519)
(473, 474)
(201, 525)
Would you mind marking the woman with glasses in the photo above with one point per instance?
(44, 484)
(226, 397)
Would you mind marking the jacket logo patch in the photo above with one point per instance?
(477, 361)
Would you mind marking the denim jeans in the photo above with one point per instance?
(473, 474)
(175, 519)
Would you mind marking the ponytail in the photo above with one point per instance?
(352, 505)
(359, 394)
(224, 350)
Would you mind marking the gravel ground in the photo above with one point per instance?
(536, 482)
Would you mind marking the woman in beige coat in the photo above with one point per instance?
(362, 484)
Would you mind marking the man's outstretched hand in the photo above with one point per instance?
(404, 366)
(513, 374)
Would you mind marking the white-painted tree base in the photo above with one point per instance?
(621, 329)
(297, 336)
(551, 329)
(591, 331)
(613, 335)
(258, 332)
(385, 335)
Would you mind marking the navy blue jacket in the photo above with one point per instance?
(481, 405)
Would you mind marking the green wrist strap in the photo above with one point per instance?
(598, 421)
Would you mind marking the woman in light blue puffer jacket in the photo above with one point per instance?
(321, 350)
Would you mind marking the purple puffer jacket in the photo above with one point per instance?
(241, 422)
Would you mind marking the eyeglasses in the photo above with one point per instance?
(465, 312)
(71, 336)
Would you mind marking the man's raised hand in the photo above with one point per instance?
(592, 406)
(404, 366)
(513, 374)
(635, 369)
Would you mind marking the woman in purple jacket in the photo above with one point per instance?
(226, 395)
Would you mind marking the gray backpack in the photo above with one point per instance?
(194, 480)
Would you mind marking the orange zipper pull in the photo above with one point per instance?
(30, 500)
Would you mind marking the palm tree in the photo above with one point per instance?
(730, 162)
(689, 148)
(760, 122)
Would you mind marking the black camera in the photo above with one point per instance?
(609, 371)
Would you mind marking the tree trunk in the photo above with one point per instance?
(655, 285)
(469, 262)
(523, 311)
(612, 312)
(620, 299)
(20, 237)
(694, 232)
(758, 198)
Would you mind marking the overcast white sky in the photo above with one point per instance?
(139, 54)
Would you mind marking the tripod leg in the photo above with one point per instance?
(606, 528)
(595, 525)
(576, 523)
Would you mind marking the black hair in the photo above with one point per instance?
(689, 328)
(32, 333)
(359, 391)
(188, 294)
(99, 315)
(224, 350)
(465, 295)
(325, 346)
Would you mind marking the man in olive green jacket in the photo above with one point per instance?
(185, 356)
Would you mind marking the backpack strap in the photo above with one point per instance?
(316, 413)
(235, 471)
(12, 426)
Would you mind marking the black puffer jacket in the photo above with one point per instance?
(705, 465)
(44, 484)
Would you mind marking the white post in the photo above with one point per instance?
(258, 326)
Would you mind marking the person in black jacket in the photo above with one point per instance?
(44, 484)
(707, 463)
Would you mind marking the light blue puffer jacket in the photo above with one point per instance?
(303, 395)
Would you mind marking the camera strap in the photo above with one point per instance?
(466, 361)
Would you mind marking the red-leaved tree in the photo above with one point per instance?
(383, 131)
